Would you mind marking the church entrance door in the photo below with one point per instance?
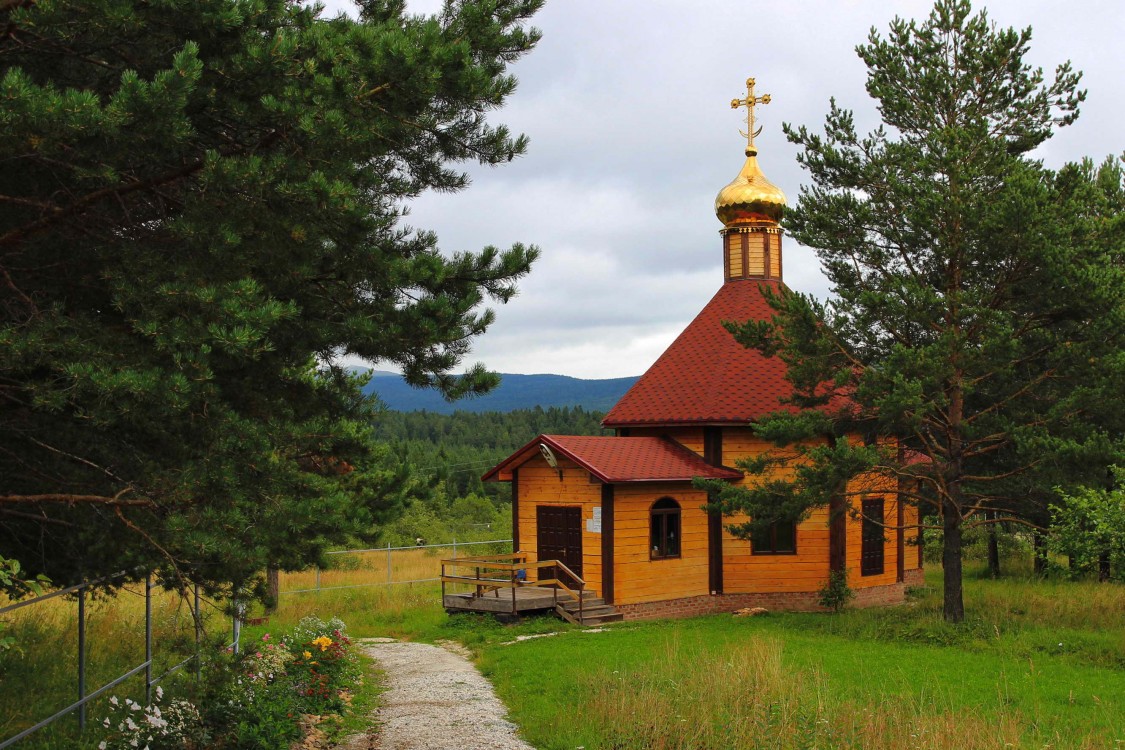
(559, 537)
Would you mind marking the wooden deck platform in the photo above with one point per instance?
(530, 599)
(498, 585)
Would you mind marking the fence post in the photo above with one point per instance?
(148, 639)
(198, 634)
(454, 548)
(317, 567)
(388, 562)
(82, 656)
(236, 625)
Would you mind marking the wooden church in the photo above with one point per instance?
(621, 512)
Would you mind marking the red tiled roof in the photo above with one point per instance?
(705, 376)
(614, 460)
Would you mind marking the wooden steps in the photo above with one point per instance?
(594, 611)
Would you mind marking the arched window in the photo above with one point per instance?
(664, 533)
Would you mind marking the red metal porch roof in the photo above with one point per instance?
(705, 376)
(615, 460)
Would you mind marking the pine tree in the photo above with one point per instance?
(977, 315)
(201, 210)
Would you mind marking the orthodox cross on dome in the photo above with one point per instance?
(749, 103)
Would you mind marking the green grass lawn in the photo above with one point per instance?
(1036, 664)
(1020, 672)
(552, 684)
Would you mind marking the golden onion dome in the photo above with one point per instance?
(750, 199)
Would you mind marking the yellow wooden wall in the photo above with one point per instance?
(745, 572)
(913, 537)
(856, 579)
(636, 577)
(807, 570)
(539, 484)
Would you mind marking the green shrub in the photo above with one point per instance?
(253, 700)
(836, 593)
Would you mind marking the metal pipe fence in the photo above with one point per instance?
(83, 696)
(389, 551)
(79, 591)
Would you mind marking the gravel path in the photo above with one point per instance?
(435, 700)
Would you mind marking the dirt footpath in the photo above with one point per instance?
(435, 700)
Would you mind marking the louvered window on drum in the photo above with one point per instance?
(756, 254)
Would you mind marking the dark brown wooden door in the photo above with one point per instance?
(559, 537)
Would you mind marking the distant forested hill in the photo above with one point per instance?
(514, 392)
(450, 452)
(457, 448)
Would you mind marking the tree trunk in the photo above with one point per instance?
(1103, 567)
(1040, 552)
(993, 546)
(954, 604)
(273, 588)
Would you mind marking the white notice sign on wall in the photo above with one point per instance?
(594, 525)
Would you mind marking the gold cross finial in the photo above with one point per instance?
(749, 103)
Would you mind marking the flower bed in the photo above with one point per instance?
(257, 700)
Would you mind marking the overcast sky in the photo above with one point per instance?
(627, 105)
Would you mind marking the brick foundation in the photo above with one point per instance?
(916, 577)
(803, 601)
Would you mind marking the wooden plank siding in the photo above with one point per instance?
(872, 488)
(744, 572)
(913, 546)
(807, 570)
(638, 578)
(890, 546)
(539, 484)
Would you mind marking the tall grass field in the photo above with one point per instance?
(1037, 664)
(39, 672)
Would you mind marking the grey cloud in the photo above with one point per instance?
(626, 103)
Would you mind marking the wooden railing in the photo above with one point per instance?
(491, 574)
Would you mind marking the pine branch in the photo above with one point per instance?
(106, 500)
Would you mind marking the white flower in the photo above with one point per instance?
(113, 700)
(105, 722)
(159, 693)
(102, 745)
(129, 723)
